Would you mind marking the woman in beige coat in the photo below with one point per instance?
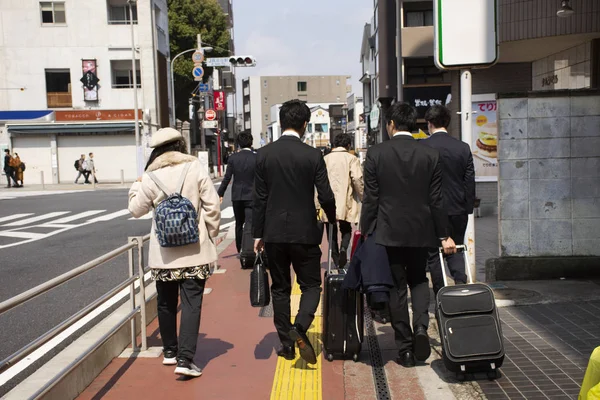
(184, 268)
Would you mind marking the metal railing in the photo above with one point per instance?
(134, 243)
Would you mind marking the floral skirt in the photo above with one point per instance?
(167, 275)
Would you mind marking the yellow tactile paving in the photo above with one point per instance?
(296, 380)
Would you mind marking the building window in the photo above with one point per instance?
(267, 117)
(337, 82)
(419, 71)
(58, 88)
(418, 18)
(321, 128)
(122, 74)
(266, 101)
(302, 86)
(118, 13)
(53, 12)
(265, 83)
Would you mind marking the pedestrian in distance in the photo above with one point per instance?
(403, 205)
(91, 168)
(346, 179)
(18, 168)
(285, 224)
(458, 185)
(81, 168)
(9, 171)
(180, 269)
(240, 167)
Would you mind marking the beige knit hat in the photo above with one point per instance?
(164, 136)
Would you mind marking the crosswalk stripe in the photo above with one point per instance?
(227, 213)
(77, 216)
(14, 216)
(110, 216)
(22, 235)
(227, 225)
(38, 218)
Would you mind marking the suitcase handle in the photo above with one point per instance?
(330, 236)
(461, 248)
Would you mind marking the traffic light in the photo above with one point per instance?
(242, 61)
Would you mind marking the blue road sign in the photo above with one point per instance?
(197, 72)
(203, 87)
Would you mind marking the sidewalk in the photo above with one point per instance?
(550, 329)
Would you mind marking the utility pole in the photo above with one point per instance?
(202, 133)
(138, 144)
(399, 59)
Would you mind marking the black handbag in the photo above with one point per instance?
(260, 292)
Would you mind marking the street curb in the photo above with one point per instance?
(75, 382)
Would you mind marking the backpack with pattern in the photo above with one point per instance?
(175, 217)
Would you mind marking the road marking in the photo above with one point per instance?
(77, 216)
(22, 235)
(38, 218)
(37, 354)
(227, 225)
(110, 216)
(14, 216)
(227, 213)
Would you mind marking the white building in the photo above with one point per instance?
(356, 122)
(317, 130)
(47, 50)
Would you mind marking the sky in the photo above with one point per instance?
(301, 37)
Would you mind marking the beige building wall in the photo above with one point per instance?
(312, 89)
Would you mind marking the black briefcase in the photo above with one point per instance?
(470, 328)
(260, 292)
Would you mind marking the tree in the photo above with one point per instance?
(187, 18)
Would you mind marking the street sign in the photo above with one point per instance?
(210, 115)
(465, 33)
(210, 124)
(374, 117)
(218, 62)
(219, 100)
(203, 87)
(198, 72)
(198, 57)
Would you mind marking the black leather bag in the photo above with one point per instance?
(260, 292)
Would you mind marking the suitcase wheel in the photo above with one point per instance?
(493, 374)
(355, 357)
(330, 357)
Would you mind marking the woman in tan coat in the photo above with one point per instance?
(183, 268)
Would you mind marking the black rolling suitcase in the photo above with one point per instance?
(247, 255)
(470, 329)
(343, 321)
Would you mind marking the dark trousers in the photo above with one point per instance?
(242, 211)
(191, 292)
(306, 261)
(10, 174)
(456, 262)
(408, 269)
(346, 231)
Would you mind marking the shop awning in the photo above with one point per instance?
(27, 115)
(86, 128)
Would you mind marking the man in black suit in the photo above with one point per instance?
(241, 166)
(285, 223)
(459, 191)
(403, 201)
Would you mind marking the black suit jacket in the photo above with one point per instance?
(241, 166)
(287, 172)
(458, 172)
(403, 194)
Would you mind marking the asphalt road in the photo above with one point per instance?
(42, 237)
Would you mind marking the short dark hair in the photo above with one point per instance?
(342, 140)
(245, 139)
(293, 115)
(439, 116)
(91, 154)
(404, 116)
(6, 150)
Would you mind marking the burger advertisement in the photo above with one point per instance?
(485, 141)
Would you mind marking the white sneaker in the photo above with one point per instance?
(169, 358)
(187, 368)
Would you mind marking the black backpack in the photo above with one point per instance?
(76, 165)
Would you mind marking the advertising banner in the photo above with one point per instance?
(485, 141)
(219, 100)
(90, 80)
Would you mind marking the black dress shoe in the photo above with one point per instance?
(287, 352)
(421, 344)
(307, 352)
(406, 359)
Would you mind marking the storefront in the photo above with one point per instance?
(50, 149)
